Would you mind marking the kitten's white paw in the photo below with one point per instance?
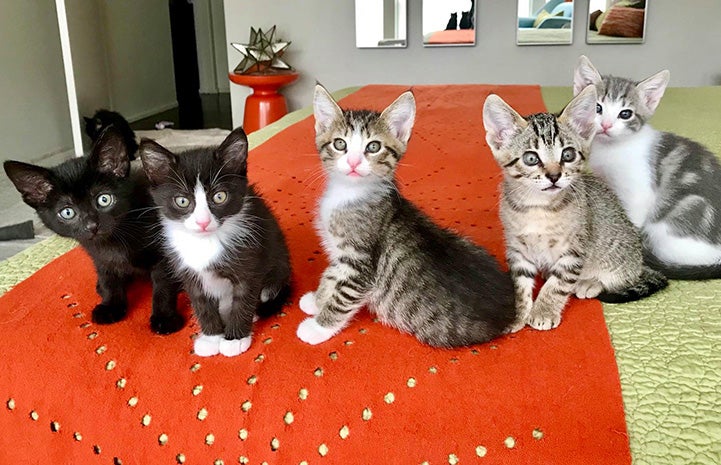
(207, 346)
(544, 322)
(233, 347)
(307, 304)
(311, 332)
(588, 289)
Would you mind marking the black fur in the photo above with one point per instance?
(250, 264)
(650, 282)
(102, 119)
(682, 272)
(118, 237)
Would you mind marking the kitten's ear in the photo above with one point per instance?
(158, 162)
(580, 113)
(109, 154)
(325, 109)
(233, 152)
(400, 116)
(651, 90)
(501, 122)
(33, 182)
(87, 120)
(585, 75)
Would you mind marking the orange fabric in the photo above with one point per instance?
(141, 398)
(453, 36)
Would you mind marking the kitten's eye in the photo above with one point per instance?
(531, 158)
(220, 197)
(67, 213)
(625, 114)
(182, 202)
(568, 154)
(599, 108)
(339, 144)
(373, 147)
(105, 200)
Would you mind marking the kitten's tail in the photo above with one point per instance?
(649, 282)
(684, 272)
(273, 306)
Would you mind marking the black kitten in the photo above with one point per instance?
(452, 22)
(99, 202)
(103, 119)
(222, 237)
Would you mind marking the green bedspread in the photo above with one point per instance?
(668, 346)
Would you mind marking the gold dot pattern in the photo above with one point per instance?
(248, 421)
(453, 459)
(34, 415)
(510, 442)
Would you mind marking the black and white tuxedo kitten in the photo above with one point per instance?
(558, 219)
(105, 206)
(383, 251)
(669, 186)
(223, 240)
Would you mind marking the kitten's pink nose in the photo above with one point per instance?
(353, 161)
(606, 125)
(203, 223)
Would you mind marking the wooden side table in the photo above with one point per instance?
(265, 104)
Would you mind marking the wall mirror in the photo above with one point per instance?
(545, 22)
(380, 23)
(616, 21)
(449, 22)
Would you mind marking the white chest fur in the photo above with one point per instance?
(542, 236)
(626, 167)
(220, 288)
(195, 252)
(340, 194)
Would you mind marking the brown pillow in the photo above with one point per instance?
(623, 22)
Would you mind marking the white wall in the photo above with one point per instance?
(34, 114)
(140, 56)
(90, 61)
(683, 39)
(210, 38)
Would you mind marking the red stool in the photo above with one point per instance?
(265, 104)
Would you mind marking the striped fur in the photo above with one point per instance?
(669, 186)
(559, 220)
(383, 251)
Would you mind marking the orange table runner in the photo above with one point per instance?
(74, 392)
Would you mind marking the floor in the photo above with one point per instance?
(214, 112)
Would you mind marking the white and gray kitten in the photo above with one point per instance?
(669, 186)
(558, 219)
(383, 251)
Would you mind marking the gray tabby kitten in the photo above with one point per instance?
(669, 186)
(558, 219)
(383, 251)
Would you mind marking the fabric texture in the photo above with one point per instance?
(75, 392)
(668, 346)
(622, 22)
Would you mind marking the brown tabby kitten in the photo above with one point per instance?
(383, 251)
(560, 220)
